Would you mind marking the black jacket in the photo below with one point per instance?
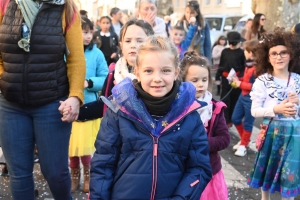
(37, 77)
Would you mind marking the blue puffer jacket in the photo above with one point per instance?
(131, 163)
(96, 71)
(201, 41)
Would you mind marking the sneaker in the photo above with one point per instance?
(241, 151)
(235, 147)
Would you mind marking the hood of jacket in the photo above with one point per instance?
(125, 100)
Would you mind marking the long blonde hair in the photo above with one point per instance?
(71, 11)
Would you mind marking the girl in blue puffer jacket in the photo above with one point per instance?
(152, 143)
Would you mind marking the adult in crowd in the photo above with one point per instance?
(116, 16)
(147, 11)
(201, 42)
(257, 27)
(246, 27)
(83, 13)
(36, 83)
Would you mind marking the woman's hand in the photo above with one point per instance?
(286, 108)
(150, 17)
(72, 104)
(293, 97)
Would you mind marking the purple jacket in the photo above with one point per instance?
(219, 139)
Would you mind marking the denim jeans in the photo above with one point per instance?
(243, 110)
(21, 128)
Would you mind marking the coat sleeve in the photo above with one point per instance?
(258, 97)
(105, 159)
(220, 138)
(101, 73)
(189, 37)
(198, 170)
(207, 43)
(221, 65)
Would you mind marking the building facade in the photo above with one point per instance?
(239, 7)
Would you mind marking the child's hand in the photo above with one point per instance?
(218, 82)
(286, 108)
(236, 80)
(192, 21)
(86, 84)
(293, 97)
(114, 55)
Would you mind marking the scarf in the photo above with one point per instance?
(158, 106)
(29, 11)
(122, 71)
(206, 112)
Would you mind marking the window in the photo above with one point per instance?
(207, 2)
(218, 2)
(215, 23)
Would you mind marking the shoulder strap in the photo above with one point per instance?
(218, 107)
(109, 84)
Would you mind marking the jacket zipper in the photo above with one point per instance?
(154, 173)
(155, 153)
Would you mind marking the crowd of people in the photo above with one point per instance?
(133, 102)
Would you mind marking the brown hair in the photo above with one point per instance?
(194, 7)
(192, 58)
(256, 24)
(278, 37)
(140, 23)
(158, 44)
(71, 11)
(250, 45)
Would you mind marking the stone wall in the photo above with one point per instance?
(283, 13)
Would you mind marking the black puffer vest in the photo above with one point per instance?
(37, 77)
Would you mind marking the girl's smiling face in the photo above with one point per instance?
(157, 72)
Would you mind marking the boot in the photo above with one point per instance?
(86, 183)
(75, 176)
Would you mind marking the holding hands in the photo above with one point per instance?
(69, 109)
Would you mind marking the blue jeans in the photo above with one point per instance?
(242, 110)
(23, 127)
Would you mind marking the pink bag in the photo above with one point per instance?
(260, 139)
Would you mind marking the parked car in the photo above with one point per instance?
(220, 24)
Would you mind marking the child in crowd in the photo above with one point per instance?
(275, 96)
(231, 58)
(216, 55)
(183, 40)
(109, 40)
(84, 133)
(132, 35)
(152, 143)
(196, 69)
(242, 108)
